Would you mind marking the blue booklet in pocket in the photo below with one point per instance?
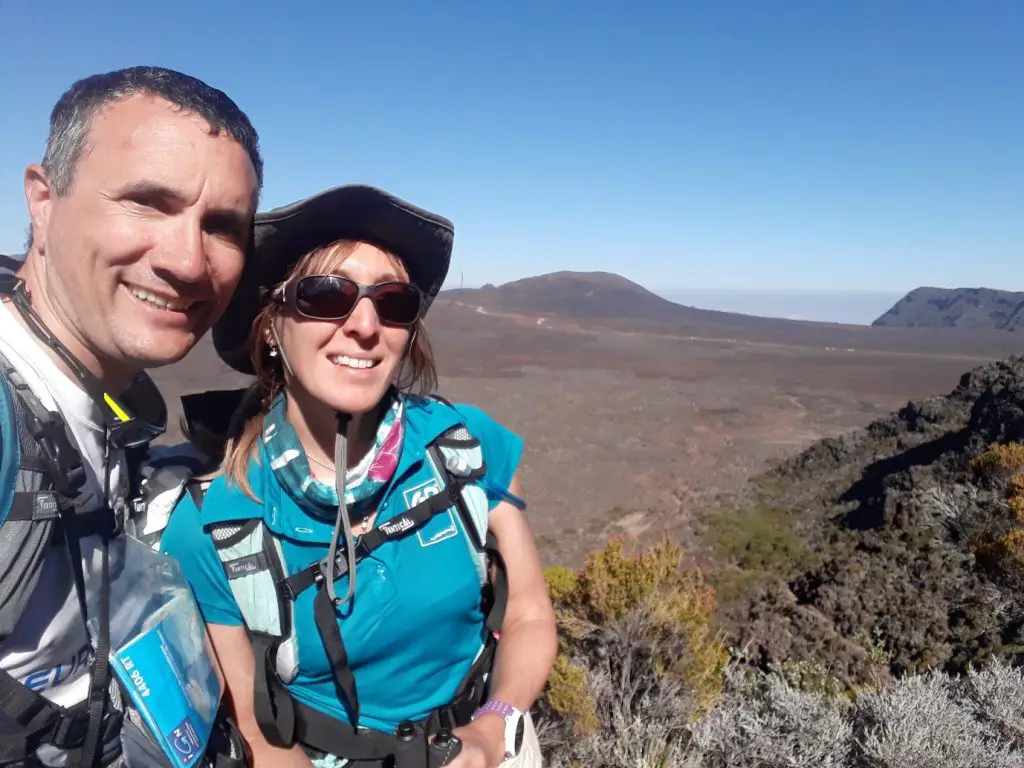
(162, 655)
(172, 683)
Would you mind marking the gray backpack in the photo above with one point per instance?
(41, 477)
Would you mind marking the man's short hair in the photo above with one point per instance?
(72, 115)
(73, 112)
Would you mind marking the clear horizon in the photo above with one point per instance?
(831, 306)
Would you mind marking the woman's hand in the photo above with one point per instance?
(483, 743)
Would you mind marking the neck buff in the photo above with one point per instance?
(362, 483)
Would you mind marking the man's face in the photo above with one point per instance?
(141, 257)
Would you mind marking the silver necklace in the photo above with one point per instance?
(317, 461)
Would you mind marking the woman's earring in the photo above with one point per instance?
(273, 352)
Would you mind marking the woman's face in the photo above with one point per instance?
(347, 364)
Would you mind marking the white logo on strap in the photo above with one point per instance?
(436, 538)
(417, 495)
(420, 493)
(396, 527)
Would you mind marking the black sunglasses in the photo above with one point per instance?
(333, 297)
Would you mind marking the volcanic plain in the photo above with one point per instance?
(637, 412)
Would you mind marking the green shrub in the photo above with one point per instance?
(569, 694)
(1000, 549)
(999, 461)
(635, 642)
(756, 538)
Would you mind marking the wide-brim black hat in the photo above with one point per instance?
(420, 239)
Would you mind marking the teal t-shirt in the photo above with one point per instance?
(415, 626)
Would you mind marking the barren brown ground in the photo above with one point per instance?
(630, 431)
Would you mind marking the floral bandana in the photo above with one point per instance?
(291, 467)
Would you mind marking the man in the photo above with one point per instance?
(141, 214)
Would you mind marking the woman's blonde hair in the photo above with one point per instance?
(417, 373)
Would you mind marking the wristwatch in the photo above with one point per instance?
(514, 726)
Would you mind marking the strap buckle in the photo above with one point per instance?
(72, 726)
(70, 729)
(286, 589)
(68, 474)
(340, 565)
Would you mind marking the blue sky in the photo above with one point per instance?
(868, 145)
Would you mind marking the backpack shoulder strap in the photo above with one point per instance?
(254, 565)
(253, 562)
(456, 459)
(197, 489)
(45, 489)
(33, 496)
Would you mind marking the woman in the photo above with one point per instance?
(427, 516)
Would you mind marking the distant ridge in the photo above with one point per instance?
(599, 295)
(966, 308)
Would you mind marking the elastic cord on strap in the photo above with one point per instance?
(341, 521)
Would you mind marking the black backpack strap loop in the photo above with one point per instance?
(496, 590)
(327, 625)
(273, 706)
(99, 676)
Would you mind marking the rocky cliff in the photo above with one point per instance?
(895, 548)
(970, 308)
